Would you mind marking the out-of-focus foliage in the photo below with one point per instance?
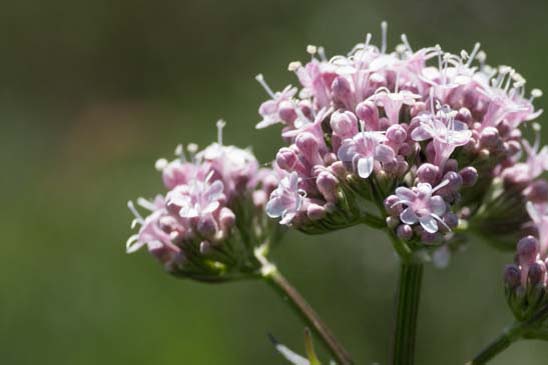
(92, 92)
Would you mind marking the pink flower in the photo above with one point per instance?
(151, 234)
(363, 150)
(422, 206)
(197, 199)
(392, 102)
(446, 132)
(286, 200)
(270, 109)
(539, 216)
(534, 165)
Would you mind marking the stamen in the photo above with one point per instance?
(180, 152)
(294, 66)
(265, 86)
(384, 31)
(535, 93)
(368, 37)
(406, 42)
(311, 49)
(146, 204)
(160, 164)
(473, 54)
(135, 212)
(220, 125)
(321, 53)
(192, 148)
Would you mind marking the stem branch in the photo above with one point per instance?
(499, 344)
(306, 312)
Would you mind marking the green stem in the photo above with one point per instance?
(273, 277)
(407, 308)
(528, 329)
(499, 344)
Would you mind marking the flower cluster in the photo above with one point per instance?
(212, 218)
(433, 140)
(526, 280)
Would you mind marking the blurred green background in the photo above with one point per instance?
(92, 92)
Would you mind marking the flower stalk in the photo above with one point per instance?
(288, 293)
(407, 308)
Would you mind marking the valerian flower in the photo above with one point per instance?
(211, 219)
(397, 139)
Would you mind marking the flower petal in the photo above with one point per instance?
(408, 216)
(365, 167)
(429, 224)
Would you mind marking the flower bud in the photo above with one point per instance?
(404, 232)
(528, 249)
(315, 212)
(344, 124)
(537, 273)
(391, 209)
(227, 219)
(451, 220)
(428, 173)
(367, 111)
(260, 198)
(469, 176)
(205, 247)
(455, 181)
(207, 226)
(286, 158)
(287, 112)
(392, 222)
(342, 91)
(489, 138)
(537, 192)
(512, 276)
(464, 115)
(338, 169)
(451, 165)
(396, 133)
(309, 147)
(327, 185)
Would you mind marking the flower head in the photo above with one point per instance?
(214, 204)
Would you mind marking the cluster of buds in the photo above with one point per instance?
(423, 143)
(526, 280)
(212, 219)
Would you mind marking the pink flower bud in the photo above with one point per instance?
(344, 124)
(396, 134)
(207, 226)
(367, 111)
(537, 192)
(489, 138)
(227, 219)
(512, 276)
(537, 273)
(327, 185)
(469, 176)
(451, 220)
(287, 111)
(342, 91)
(404, 232)
(428, 173)
(309, 147)
(391, 207)
(315, 212)
(260, 197)
(528, 249)
(286, 159)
